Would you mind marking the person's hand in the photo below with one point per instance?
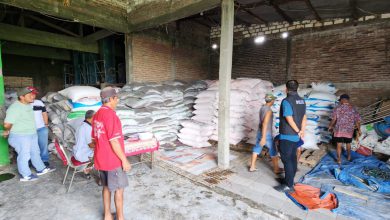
(262, 142)
(301, 134)
(5, 134)
(126, 165)
(330, 129)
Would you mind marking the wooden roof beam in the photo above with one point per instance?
(258, 18)
(281, 12)
(354, 11)
(42, 21)
(309, 5)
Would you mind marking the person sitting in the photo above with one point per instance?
(83, 150)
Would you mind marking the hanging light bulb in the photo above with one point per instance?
(259, 39)
(284, 35)
(214, 46)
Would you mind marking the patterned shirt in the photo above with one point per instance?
(346, 117)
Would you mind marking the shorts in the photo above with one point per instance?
(342, 140)
(114, 179)
(269, 143)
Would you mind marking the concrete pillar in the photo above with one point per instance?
(225, 74)
(129, 57)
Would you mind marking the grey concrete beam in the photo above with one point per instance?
(225, 75)
(160, 12)
(35, 51)
(42, 38)
(129, 57)
(94, 13)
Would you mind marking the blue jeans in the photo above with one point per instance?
(27, 148)
(269, 143)
(43, 137)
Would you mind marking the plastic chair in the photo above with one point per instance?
(70, 162)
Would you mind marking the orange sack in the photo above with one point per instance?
(309, 197)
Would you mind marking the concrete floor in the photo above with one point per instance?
(152, 194)
(257, 187)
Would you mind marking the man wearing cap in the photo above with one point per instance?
(19, 124)
(264, 135)
(109, 155)
(291, 129)
(345, 119)
(41, 123)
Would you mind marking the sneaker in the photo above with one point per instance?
(32, 177)
(284, 188)
(46, 170)
(46, 164)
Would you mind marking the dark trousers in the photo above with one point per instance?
(288, 154)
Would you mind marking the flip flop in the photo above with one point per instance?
(281, 170)
(254, 170)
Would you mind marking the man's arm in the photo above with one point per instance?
(303, 127)
(264, 124)
(45, 118)
(7, 128)
(332, 123)
(292, 123)
(116, 147)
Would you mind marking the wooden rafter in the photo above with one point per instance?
(309, 5)
(255, 16)
(281, 12)
(40, 20)
(202, 23)
(354, 11)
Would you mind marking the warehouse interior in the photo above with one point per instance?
(54, 45)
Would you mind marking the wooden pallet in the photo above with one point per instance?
(311, 157)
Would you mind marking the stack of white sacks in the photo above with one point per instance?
(157, 108)
(246, 98)
(320, 100)
(66, 110)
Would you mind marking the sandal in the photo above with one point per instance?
(280, 171)
(253, 170)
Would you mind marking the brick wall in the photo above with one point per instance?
(266, 61)
(353, 54)
(340, 53)
(151, 59)
(168, 54)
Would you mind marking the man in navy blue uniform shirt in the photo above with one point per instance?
(291, 129)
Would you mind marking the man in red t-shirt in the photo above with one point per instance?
(109, 155)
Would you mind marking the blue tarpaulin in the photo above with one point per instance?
(366, 176)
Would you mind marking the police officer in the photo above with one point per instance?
(291, 129)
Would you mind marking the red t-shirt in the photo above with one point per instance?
(106, 126)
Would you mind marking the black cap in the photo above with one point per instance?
(344, 96)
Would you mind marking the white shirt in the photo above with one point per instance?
(81, 150)
(38, 108)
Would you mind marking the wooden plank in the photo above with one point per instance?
(35, 37)
(311, 157)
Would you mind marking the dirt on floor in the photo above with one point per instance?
(152, 194)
